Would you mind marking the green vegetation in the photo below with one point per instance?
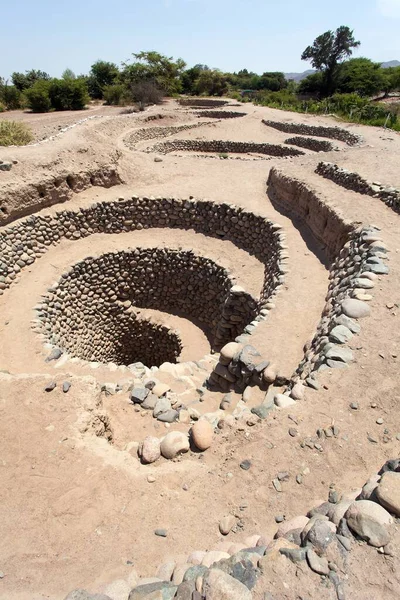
(352, 88)
(13, 133)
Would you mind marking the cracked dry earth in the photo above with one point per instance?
(177, 273)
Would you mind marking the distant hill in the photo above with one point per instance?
(300, 76)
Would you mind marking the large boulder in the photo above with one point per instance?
(369, 520)
(388, 492)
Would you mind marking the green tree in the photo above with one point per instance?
(68, 94)
(68, 74)
(328, 51)
(189, 78)
(152, 66)
(274, 82)
(102, 74)
(211, 83)
(361, 75)
(24, 81)
(38, 96)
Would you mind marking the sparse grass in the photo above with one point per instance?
(13, 133)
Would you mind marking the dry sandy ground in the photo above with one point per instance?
(77, 510)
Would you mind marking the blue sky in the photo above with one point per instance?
(260, 35)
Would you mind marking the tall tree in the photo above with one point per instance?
(152, 66)
(328, 51)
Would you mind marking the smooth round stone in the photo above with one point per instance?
(173, 444)
(270, 374)
(226, 524)
(202, 434)
(355, 309)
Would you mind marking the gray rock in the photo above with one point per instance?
(369, 520)
(185, 590)
(339, 353)
(169, 416)
(340, 334)
(318, 564)
(55, 354)
(196, 571)
(218, 585)
(5, 165)
(161, 532)
(355, 309)
(295, 555)
(379, 269)
(50, 386)
(150, 402)
(142, 592)
(320, 535)
(138, 395)
(66, 386)
(349, 323)
(162, 406)
(241, 568)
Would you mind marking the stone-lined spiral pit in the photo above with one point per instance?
(224, 147)
(91, 315)
(335, 133)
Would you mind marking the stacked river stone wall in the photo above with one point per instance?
(19, 202)
(202, 102)
(224, 147)
(336, 133)
(357, 258)
(89, 313)
(151, 133)
(311, 144)
(220, 114)
(354, 181)
(23, 243)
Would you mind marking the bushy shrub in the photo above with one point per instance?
(115, 94)
(2, 107)
(68, 94)
(38, 97)
(10, 96)
(13, 133)
(145, 93)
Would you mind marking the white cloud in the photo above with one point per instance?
(389, 8)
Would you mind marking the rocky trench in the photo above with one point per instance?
(151, 133)
(17, 202)
(311, 144)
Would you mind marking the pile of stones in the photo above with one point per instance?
(220, 114)
(323, 540)
(224, 147)
(89, 314)
(354, 181)
(336, 133)
(352, 278)
(311, 144)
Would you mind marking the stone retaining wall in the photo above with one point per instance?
(224, 147)
(25, 200)
(202, 102)
(220, 114)
(25, 242)
(357, 258)
(311, 144)
(354, 181)
(89, 312)
(150, 133)
(336, 133)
